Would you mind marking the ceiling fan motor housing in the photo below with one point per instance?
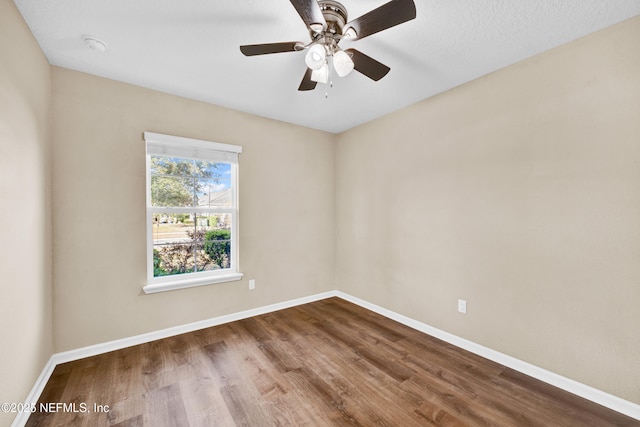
(335, 14)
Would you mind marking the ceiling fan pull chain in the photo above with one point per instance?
(330, 85)
(330, 65)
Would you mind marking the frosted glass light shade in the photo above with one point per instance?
(342, 63)
(315, 57)
(321, 75)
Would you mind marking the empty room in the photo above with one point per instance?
(321, 213)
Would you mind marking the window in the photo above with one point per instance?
(192, 212)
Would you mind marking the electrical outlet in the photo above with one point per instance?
(252, 284)
(462, 306)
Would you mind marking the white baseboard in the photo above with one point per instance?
(597, 396)
(93, 350)
(36, 391)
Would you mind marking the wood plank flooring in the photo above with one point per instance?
(327, 363)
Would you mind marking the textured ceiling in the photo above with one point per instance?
(190, 48)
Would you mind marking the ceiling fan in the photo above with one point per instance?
(328, 25)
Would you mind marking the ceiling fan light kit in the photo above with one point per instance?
(328, 24)
(315, 57)
(321, 75)
(342, 63)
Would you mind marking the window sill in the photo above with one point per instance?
(190, 283)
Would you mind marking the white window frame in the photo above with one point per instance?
(176, 146)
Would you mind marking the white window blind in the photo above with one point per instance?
(176, 146)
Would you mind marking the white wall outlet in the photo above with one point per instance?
(252, 284)
(462, 306)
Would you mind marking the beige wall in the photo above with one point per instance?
(286, 209)
(25, 248)
(519, 192)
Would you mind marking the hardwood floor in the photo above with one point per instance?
(327, 363)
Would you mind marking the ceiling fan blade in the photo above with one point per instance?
(311, 14)
(307, 83)
(262, 49)
(386, 16)
(367, 65)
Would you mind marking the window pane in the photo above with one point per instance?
(218, 254)
(190, 241)
(217, 241)
(175, 258)
(202, 261)
(187, 243)
(173, 166)
(171, 191)
(179, 182)
(214, 192)
(172, 244)
(172, 228)
(204, 169)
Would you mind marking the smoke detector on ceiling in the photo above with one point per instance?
(94, 43)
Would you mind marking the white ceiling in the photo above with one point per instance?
(191, 48)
